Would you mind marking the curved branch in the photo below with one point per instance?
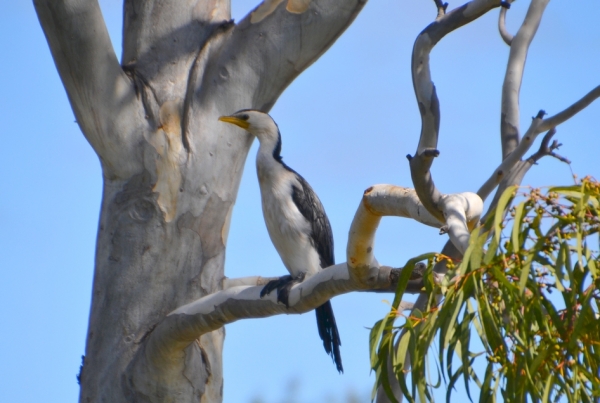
(184, 325)
(241, 297)
(462, 212)
(519, 170)
(507, 37)
(390, 200)
(428, 101)
(511, 88)
(513, 158)
(538, 125)
(101, 95)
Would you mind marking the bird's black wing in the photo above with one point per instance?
(321, 235)
(311, 208)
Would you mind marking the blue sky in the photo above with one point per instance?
(347, 123)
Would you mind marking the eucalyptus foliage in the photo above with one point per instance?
(527, 288)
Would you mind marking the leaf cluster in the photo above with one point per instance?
(528, 288)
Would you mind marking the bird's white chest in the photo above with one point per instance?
(287, 227)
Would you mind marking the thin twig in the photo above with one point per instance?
(441, 8)
(538, 125)
(547, 149)
(513, 158)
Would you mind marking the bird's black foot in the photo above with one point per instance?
(283, 285)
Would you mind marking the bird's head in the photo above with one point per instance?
(255, 122)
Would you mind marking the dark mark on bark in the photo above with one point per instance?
(422, 109)
(194, 76)
(142, 87)
(78, 376)
(208, 225)
(435, 110)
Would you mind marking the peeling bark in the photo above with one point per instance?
(171, 172)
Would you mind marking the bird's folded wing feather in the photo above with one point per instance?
(309, 205)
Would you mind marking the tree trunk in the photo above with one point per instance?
(171, 169)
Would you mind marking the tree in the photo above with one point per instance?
(518, 351)
(530, 299)
(165, 204)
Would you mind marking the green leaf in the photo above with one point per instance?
(539, 347)
(517, 227)
(386, 346)
(491, 252)
(374, 337)
(401, 351)
(405, 276)
(548, 389)
(525, 273)
(503, 202)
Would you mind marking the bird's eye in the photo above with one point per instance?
(244, 117)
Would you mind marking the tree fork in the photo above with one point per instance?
(171, 171)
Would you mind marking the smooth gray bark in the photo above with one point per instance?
(171, 174)
(171, 170)
(512, 169)
(427, 99)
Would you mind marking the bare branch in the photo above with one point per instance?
(571, 111)
(514, 177)
(251, 281)
(511, 88)
(420, 172)
(519, 170)
(462, 212)
(512, 159)
(101, 95)
(209, 313)
(441, 8)
(240, 298)
(538, 125)
(507, 37)
(547, 149)
(428, 101)
(415, 284)
(390, 200)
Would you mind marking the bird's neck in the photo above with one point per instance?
(269, 164)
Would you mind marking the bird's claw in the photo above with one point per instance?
(283, 285)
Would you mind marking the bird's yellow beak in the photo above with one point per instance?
(236, 121)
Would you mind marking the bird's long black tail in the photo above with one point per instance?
(329, 333)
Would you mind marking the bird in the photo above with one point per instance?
(295, 219)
